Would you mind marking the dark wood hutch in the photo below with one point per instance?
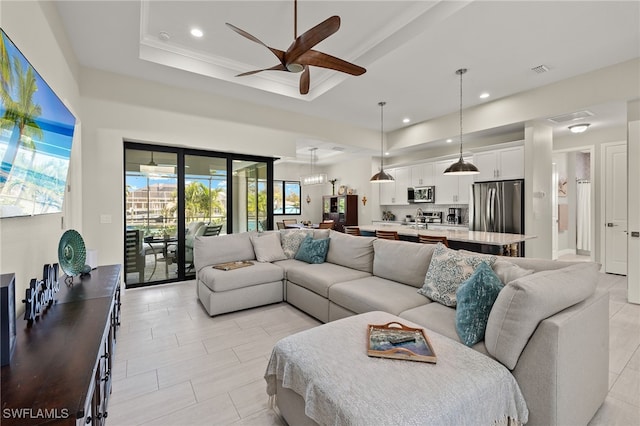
(342, 209)
(60, 372)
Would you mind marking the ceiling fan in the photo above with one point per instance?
(300, 54)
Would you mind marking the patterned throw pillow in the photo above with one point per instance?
(475, 299)
(313, 251)
(447, 270)
(291, 240)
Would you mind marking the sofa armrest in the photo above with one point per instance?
(563, 371)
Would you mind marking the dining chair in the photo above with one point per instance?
(281, 225)
(289, 221)
(212, 230)
(352, 230)
(326, 225)
(432, 239)
(387, 235)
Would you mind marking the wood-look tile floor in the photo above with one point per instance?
(175, 365)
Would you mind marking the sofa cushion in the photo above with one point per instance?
(267, 247)
(523, 303)
(291, 240)
(222, 248)
(508, 271)
(288, 264)
(447, 270)
(350, 251)
(259, 273)
(475, 297)
(319, 277)
(313, 251)
(401, 261)
(440, 319)
(375, 294)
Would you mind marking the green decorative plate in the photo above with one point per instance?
(72, 253)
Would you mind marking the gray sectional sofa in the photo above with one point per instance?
(548, 325)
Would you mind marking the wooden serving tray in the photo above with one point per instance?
(398, 341)
(229, 266)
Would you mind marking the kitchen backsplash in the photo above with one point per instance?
(400, 212)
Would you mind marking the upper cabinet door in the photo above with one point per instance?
(500, 164)
(511, 162)
(422, 175)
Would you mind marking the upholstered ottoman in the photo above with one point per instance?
(324, 376)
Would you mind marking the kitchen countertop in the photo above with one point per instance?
(463, 235)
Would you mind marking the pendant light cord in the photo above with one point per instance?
(382, 104)
(460, 72)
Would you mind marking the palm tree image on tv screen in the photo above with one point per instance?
(36, 132)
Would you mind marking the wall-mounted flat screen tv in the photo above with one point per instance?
(36, 131)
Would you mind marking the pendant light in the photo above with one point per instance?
(381, 176)
(461, 167)
(313, 178)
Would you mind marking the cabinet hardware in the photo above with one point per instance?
(88, 420)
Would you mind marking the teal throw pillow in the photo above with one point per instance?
(313, 251)
(475, 299)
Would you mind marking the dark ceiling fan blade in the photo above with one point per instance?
(311, 37)
(322, 60)
(305, 79)
(279, 53)
(278, 67)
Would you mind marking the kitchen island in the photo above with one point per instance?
(478, 241)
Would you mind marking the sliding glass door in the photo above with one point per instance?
(151, 205)
(173, 195)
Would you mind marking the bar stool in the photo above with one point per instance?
(352, 230)
(387, 235)
(432, 239)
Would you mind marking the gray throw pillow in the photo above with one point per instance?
(447, 270)
(267, 247)
(508, 271)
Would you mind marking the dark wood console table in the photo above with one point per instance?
(60, 372)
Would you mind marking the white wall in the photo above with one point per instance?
(355, 174)
(538, 140)
(27, 243)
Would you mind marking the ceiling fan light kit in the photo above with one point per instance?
(461, 167)
(300, 54)
(381, 176)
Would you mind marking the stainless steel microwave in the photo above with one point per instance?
(422, 194)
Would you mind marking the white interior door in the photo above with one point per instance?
(616, 209)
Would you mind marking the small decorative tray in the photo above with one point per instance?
(398, 341)
(229, 266)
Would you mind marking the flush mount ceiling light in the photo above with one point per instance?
(579, 128)
(313, 178)
(461, 167)
(381, 176)
(484, 95)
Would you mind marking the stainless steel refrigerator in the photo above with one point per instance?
(497, 207)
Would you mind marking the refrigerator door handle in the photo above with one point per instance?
(490, 209)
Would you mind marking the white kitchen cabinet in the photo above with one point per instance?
(500, 164)
(451, 189)
(422, 175)
(395, 193)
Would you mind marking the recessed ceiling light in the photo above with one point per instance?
(484, 95)
(406, 120)
(196, 32)
(386, 153)
(449, 140)
(579, 128)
